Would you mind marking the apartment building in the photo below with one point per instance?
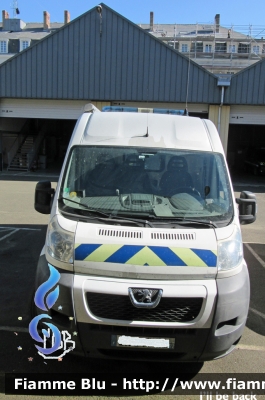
(220, 49)
(17, 35)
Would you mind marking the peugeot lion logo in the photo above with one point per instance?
(145, 298)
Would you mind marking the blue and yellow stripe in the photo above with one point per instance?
(146, 255)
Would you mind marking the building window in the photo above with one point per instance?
(24, 44)
(196, 47)
(256, 49)
(3, 46)
(232, 48)
(208, 48)
(199, 47)
(220, 47)
(184, 48)
(243, 48)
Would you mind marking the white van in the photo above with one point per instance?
(145, 234)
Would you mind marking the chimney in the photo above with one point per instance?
(46, 20)
(66, 17)
(217, 23)
(151, 21)
(5, 15)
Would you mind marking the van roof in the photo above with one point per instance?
(148, 130)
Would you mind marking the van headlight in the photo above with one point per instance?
(60, 243)
(230, 251)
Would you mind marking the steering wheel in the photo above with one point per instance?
(186, 189)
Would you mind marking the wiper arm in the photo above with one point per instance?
(210, 224)
(85, 206)
(108, 216)
(136, 220)
(185, 221)
(77, 216)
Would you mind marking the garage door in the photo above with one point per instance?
(247, 115)
(193, 108)
(46, 109)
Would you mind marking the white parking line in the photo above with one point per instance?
(257, 312)
(14, 230)
(254, 243)
(9, 234)
(249, 347)
(20, 229)
(255, 255)
(14, 329)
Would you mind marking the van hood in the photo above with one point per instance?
(145, 253)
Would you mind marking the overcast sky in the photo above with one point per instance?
(233, 12)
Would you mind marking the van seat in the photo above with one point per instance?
(176, 176)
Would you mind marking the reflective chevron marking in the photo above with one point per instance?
(146, 255)
(102, 253)
(190, 257)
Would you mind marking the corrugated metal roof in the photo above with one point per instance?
(108, 59)
(248, 86)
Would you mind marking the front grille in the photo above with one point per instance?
(141, 330)
(170, 309)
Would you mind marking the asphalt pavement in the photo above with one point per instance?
(22, 234)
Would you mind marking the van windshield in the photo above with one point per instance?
(155, 184)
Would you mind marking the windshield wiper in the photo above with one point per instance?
(111, 217)
(135, 220)
(210, 224)
(185, 221)
(85, 206)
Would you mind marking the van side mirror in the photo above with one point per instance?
(247, 207)
(43, 197)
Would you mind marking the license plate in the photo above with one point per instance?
(142, 342)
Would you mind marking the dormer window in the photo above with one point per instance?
(3, 46)
(24, 44)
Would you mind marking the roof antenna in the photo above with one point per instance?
(15, 9)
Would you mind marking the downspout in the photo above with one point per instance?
(220, 109)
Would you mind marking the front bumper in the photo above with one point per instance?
(211, 334)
